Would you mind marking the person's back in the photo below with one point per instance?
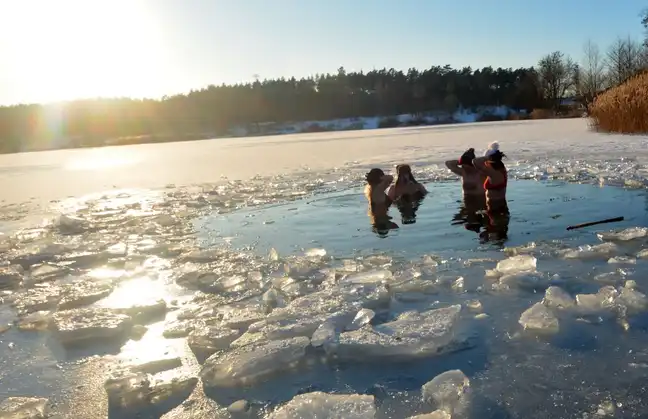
(472, 180)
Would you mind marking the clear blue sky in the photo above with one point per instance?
(201, 42)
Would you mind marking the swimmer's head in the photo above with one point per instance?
(467, 157)
(404, 173)
(374, 176)
(495, 156)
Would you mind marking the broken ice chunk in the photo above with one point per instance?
(322, 405)
(411, 335)
(314, 253)
(205, 341)
(437, 414)
(474, 305)
(527, 280)
(448, 391)
(177, 329)
(88, 324)
(558, 298)
(624, 235)
(515, 264)
(369, 277)
(127, 388)
(11, 277)
(145, 312)
(248, 364)
(39, 320)
(45, 272)
(273, 299)
(622, 260)
(242, 315)
(632, 299)
(156, 365)
(170, 385)
(24, 408)
(83, 293)
(599, 251)
(603, 299)
(38, 299)
(238, 407)
(324, 335)
(363, 317)
(538, 317)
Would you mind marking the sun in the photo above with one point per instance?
(67, 49)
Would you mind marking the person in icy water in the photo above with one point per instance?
(492, 167)
(379, 202)
(406, 185)
(495, 185)
(407, 193)
(472, 180)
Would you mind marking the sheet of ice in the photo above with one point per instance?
(627, 234)
(248, 364)
(539, 318)
(516, 264)
(411, 335)
(319, 405)
(24, 408)
(449, 391)
(598, 251)
(89, 325)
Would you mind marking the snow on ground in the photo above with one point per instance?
(48, 175)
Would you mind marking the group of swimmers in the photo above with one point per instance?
(484, 181)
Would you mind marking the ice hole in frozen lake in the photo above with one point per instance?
(337, 309)
(539, 211)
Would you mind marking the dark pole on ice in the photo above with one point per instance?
(593, 223)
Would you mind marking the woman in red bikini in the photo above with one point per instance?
(495, 185)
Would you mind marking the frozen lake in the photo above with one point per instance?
(172, 280)
(57, 174)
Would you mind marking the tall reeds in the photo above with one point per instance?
(623, 109)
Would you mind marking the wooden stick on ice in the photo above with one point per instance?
(593, 223)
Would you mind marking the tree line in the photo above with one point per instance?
(213, 110)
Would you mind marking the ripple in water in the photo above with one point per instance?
(182, 302)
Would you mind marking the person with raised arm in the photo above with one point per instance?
(472, 180)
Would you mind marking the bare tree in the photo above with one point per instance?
(557, 74)
(624, 59)
(592, 75)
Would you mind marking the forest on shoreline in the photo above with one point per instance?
(213, 111)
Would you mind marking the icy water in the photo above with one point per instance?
(338, 221)
(274, 298)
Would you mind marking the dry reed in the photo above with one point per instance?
(623, 109)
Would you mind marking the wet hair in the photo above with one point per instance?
(403, 169)
(374, 176)
(467, 157)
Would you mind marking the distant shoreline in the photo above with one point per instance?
(306, 127)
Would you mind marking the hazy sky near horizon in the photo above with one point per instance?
(68, 49)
